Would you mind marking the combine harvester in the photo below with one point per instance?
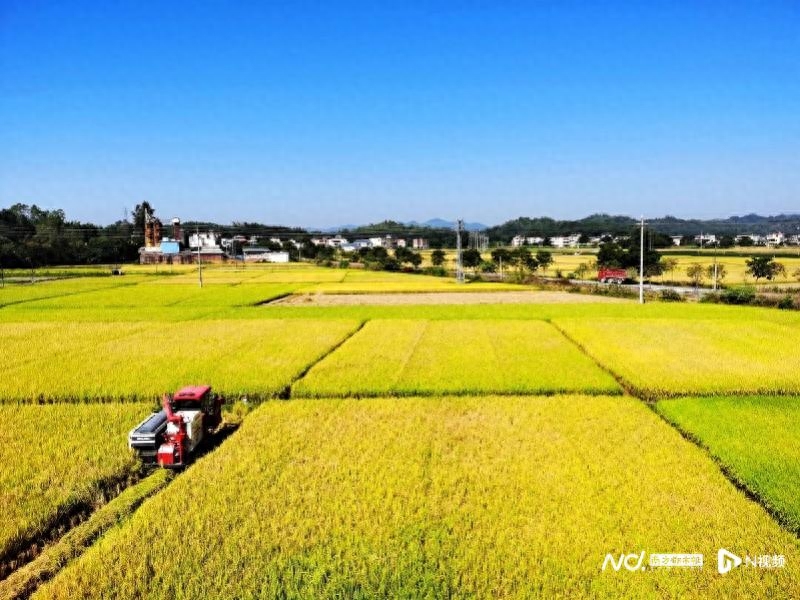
(170, 436)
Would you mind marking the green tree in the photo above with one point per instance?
(764, 267)
(582, 270)
(611, 254)
(139, 216)
(670, 263)
(501, 256)
(721, 272)
(471, 258)
(402, 254)
(544, 259)
(437, 257)
(695, 272)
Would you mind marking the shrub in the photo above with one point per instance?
(738, 295)
(787, 302)
(435, 271)
(670, 295)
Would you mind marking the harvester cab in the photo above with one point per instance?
(170, 436)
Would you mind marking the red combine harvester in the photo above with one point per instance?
(171, 435)
(612, 275)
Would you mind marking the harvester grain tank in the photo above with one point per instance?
(171, 435)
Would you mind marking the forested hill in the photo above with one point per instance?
(598, 224)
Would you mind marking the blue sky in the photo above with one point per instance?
(329, 113)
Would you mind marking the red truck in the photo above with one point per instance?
(607, 275)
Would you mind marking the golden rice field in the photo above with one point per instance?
(13, 294)
(491, 451)
(447, 357)
(735, 268)
(157, 294)
(55, 457)
(672, 357)
(755, 437)
(432, 498)
(78, 361)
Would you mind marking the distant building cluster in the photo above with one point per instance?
(577, 240)
(776, 238)
(388, 241)
(563, 241)
(201, 246)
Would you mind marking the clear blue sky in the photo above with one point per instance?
(328, 113)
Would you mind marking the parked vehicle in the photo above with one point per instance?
(607, 275)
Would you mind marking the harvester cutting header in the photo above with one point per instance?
(170, 436)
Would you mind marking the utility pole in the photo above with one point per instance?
(641, 264)
(199, 259)
(715, 265)
(459, 262)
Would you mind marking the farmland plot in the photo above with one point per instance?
(756, 438)
(22, 293)
(55, 457)
(460, 357)
(143, 360)
(459, 497)
(669, 357)
(156, 295)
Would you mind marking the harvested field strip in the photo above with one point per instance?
(438, 497)
(433, 298)
(58, 460)
(754, 439)
(455, 357)
(681, 357)
(23, 581)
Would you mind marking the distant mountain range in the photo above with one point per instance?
(442, 224)
(430, 224)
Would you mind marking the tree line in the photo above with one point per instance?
(32, 237)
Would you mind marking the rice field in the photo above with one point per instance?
(164, 294)
(432, 498)
(37, 484)
(455, 357)
(13, 294)
(108, 361)
(735, 267)
(675, 357)
(453, 450)
(755, 438)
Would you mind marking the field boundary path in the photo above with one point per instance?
(286, 394)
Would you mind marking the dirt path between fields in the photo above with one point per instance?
(521, 297)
